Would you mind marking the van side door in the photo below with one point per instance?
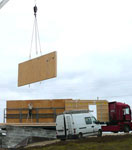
(69, 127)
(89, 125)
(60, 126)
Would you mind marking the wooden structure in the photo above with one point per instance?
(101, 106)
(38, 69)
(45, 111)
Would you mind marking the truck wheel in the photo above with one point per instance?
(80, 135)
(126, 129)
(99, 133)
(115, 131)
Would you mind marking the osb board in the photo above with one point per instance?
(12, 112)
(103, 118)
(23, 121)
(45, 103)
(77, 108)
(75, 104)
(58, 103)
(12, 121)
(29, 121)
(55, 103)
(102, 112)
(83, 103)
(93, 102)
(14, 104)
(67, 104)
(102, 107)
(20, 104)
(40, 111)
(41, 120)
(45, 111)
(37, 69)
(24, 103)
(58, 111)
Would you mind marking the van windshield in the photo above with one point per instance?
(93, 119)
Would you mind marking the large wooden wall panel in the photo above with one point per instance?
(102, 107)
(37, 69)
(102, 112)
(48, 114)
(14, 108)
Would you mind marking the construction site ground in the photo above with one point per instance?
(107, 142)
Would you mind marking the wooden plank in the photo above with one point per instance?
(37, 69)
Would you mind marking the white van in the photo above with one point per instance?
(77, 124)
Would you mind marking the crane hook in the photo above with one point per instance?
(35, 10)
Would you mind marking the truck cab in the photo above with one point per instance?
(119, 112)
(119, 118)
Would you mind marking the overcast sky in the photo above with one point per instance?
(93, 40)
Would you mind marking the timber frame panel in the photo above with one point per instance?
(37, 69)
(46, 110)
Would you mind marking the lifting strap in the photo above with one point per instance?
(35, 34)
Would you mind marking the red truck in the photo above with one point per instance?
(119, 118)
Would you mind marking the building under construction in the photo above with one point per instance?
(45, 111)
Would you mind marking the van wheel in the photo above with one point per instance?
(62, 139)
(99, 133)
(80, 135)
(126, 129)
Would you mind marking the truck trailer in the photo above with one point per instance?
(119, 118)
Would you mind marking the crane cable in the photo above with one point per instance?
(35, 33)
